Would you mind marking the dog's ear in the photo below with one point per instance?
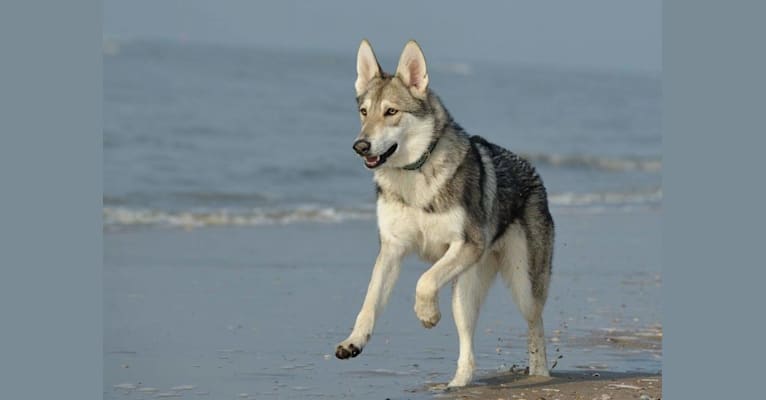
(412, 69)
(367, 67)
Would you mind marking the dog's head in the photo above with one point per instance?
(397, 120)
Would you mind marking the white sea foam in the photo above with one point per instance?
(115, 217)
(649, 197)
(652, 165)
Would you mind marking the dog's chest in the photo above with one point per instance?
(429, 234)
(411, 189)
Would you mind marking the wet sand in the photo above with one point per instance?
(602, 385)
(256, 313)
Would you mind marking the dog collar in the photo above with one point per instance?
(422, 160)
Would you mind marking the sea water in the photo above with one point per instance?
(200, 135)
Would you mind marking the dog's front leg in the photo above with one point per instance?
(459, 257)
(384, 276)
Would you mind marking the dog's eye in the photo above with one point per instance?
(391, 111)
(363, 111)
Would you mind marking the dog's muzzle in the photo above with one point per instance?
(362, 147)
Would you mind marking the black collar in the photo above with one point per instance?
(422, 160)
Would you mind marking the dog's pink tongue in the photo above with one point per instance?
(372, 160)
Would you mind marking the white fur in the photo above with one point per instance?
(399, 236)
(436, 237)
(516, 271)
(384, 276)
(416, 230)
(467, 296)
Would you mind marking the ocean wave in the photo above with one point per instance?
(595, 162)
(115, 217)
(123, 216)
(571, 199)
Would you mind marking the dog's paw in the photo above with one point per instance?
(461, 379)
(428, 312)
(347, 349)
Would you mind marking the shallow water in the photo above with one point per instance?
(259, 311)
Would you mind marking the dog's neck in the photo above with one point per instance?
(417, 188)
(422, 160)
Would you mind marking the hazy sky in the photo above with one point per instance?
(605, 34)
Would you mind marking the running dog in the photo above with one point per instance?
(469, 207)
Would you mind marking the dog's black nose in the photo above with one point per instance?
(362, 147)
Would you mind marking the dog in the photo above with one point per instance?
(471, 208)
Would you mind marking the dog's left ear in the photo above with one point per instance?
(412, 69)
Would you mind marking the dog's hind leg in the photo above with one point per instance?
(468, 293)
(526, 269)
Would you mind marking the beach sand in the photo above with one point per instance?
(567, 385)
(256, 312)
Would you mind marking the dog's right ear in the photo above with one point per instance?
(367, 67)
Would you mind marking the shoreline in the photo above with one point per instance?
(259, 310)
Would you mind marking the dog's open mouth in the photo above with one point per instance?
(372, 162)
